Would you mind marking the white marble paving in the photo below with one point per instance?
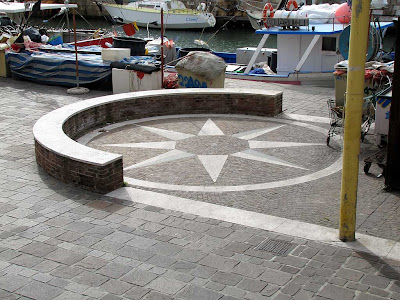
(210, 128)
(250, 134)
(213, 164)
(262, 157)
(167, 145)
(162, 158)
(271, 144)
(169, 134)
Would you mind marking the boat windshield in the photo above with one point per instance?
(144, 5)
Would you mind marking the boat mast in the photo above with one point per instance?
(162, 47)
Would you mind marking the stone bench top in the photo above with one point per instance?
(48, 130)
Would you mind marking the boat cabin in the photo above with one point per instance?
(307, 49)
(157, 5)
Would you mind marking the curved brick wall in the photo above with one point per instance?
(63, 158)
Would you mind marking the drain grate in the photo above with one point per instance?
(275, 246)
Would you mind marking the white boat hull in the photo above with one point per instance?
(171, 20)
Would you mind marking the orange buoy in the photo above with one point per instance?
(268, 12)
(343, 13)
(290, 4)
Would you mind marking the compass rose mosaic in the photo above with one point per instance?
(218, 153)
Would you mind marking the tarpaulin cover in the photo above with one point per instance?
(58, 68)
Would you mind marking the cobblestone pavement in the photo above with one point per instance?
(60, 242)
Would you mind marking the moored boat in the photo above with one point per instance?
(148, 13)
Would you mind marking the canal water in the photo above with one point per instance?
(226, 39)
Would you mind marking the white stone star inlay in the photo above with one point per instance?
(213, 163)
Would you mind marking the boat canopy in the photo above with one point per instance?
(13, 7)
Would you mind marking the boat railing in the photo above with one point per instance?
(295, 23)
(244, 5)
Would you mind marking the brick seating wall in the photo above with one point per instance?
(107, 177)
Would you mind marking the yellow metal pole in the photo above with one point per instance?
(353, 115)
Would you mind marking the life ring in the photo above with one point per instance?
(268, 12)
(290, 4)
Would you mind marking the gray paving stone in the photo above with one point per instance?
(293, 261)
(215, 286)
(161, 261)
(166, 285)
(357, 286)
(64, 256)
(309, 252)
(91, 263)
(312, 287)
(248, 270)
(157, 296)
(219, 231)
(66, 272)
(136, 293)
(26, 260)
(325, 272)
(38, 290)
(303, 295)
(378, 292)
(190, 255)
(275, 277)
(59, 282)
(251, 285)
(46, 266)
(110, 297)
(199, 293)
(90, 279)
(226, 278)
(139, 277)
(203, 271)
(237, 247)
(148, 215)
(337, 281)
(199, 281)
(183, 266)
(234, 292)
(219, 262)
(377, 281)
(334, 292)
(107, 246)
(12, 282)
(166, 249)
(9, 254)
(364, 296)
(119, 237)
(291, 270)
(38, 249)
(291, 289)
(116, 287)
(134, 253)
(78, 226)
(7, 295)
(229, 298)
(213, 241)
(223, 252)
(67, 295)
(42, 277)
(114, 270)
(280, 296)
(260, 254)
(141, 242)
